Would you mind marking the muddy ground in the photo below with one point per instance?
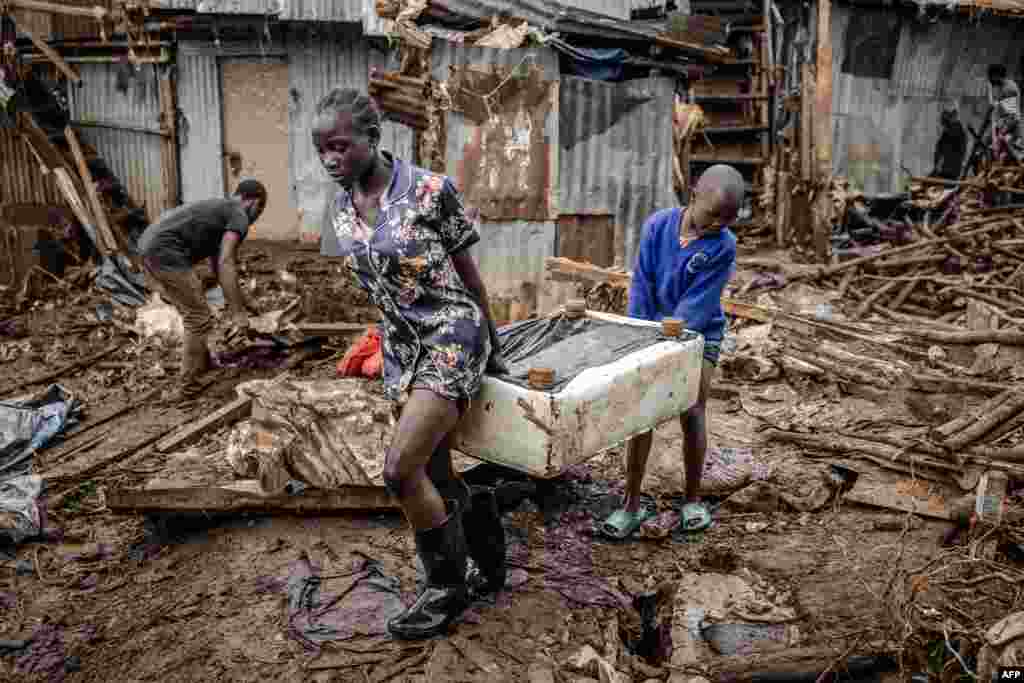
(124, 598)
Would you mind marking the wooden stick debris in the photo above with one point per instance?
(916, 246)
(99, 212)
(1011, 407)
(236, 410)
(64, 370)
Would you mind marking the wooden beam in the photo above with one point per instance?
(39, 141)
(99, 212)
(332, 329)
(823, 132)
(247, 496)
(69, 71)
(806, 121)
(95, 12)
(232, 412)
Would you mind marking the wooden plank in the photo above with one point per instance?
(169, 145)
(247, 496)
(567, 269)
(232, 412)
(332, 329)
(806, 121)
(69, 71)
(38, 140)
(95, 12)
(99, 212)
(903, 495)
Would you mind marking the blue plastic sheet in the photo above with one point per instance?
(27, 426)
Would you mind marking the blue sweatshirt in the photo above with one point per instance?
(684, 282)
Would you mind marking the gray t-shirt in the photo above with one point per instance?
(186, 235)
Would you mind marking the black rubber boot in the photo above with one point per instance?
(481, 521)
(442, 551)
(485, 537)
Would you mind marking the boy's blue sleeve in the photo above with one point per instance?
(641, 289)
(703, 299)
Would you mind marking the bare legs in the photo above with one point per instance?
(425, 423)
(695, 444)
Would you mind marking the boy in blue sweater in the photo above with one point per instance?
(685, 259)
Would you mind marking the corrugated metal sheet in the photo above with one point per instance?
(881, 128)
(135, 158)
(21, 180)
(124, 128)
(612, 8)
(511, 259)
(318, 62)
(346, 11)
(510, 253)
(551, 15)
(500, 162)
(99, 100)
(616, 155)
(200, 136)
(373, 25)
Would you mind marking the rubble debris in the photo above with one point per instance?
(20, 515)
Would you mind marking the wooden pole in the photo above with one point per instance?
(99, 212)
(58, 61)
(72, 11)
(823, 132)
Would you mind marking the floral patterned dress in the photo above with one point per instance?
(434, 333)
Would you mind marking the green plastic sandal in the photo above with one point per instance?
(694, 517)
(621, 524)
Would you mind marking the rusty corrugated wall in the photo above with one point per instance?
(502, 131)
(21, 179)
(616, 155)
(512, 248)
(124, 127)
(883, 127)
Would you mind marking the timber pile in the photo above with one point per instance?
(401, 98)
(933, 280)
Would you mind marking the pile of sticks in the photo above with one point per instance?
(932, 280)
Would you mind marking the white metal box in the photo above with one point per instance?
(542, 433)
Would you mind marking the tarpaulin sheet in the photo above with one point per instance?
(27, 426)
(116, 277)
(569, 346)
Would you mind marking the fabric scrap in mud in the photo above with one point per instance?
(367, 598)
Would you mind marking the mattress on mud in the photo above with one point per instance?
(614, 377)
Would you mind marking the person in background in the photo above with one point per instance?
(1004, 102)
(402, 233)
(686, 257)
(951, 146)
(170, 249)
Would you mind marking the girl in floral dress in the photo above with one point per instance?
(402, 233)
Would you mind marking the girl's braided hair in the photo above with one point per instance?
(364, 112)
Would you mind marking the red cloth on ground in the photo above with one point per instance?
(364, 358)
